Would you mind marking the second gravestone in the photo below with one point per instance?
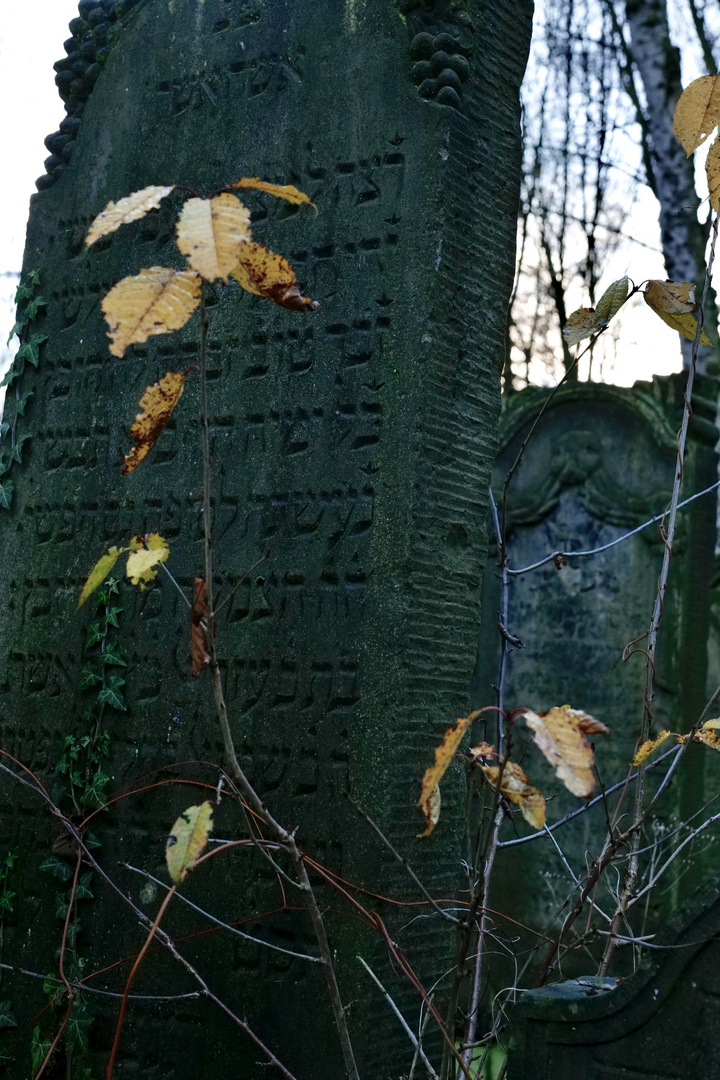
(356, 443)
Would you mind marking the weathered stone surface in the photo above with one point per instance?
(356, 443)
(600, 464)
(661, 1023)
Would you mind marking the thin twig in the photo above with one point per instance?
(179, 589)
(406, 1028)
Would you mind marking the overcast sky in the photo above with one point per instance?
(31, 39)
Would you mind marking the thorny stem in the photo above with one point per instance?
(248, 791)
(632, 870)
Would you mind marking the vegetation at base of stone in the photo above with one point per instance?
(13, 440)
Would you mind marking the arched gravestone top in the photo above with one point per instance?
(599, 465)
(661, 1023)
(356, 443)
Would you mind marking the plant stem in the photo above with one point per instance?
(248, 791)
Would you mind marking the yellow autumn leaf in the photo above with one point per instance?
(429, 801)
(712, 170)
(281, 191)
(560, 735)
(157, 404)
(697, 112)
(611, 301)
(131, 208)
(674, 303)
(514, 786)
(155, 301)
(146, 552)
(211, 231)
(580, 324)
(186, 841)
(709, 734)
(264, 273)
(99, 572)
(647, 748)
(482, 750)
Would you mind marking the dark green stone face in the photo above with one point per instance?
(354, 442)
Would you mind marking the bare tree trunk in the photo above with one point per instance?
(683, 237)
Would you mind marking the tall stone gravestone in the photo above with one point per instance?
(355, 443)
(600, 464)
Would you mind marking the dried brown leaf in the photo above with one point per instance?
(198, 628)
(211, 232)
(482, 750)
(157, 404)
(674, 303)
(131, 208)
(155, 301)
(647, 748)
(265, 273)
(188, 837)
(281, 191)
(709, 734)
(580, 324)
(712, 170)
(429, 801)
(514, 786)
(560, 735)
(697, 112)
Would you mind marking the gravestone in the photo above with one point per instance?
(356, 443)
(661, 1023)
(600, 464)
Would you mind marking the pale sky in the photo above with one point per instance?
(33, 109)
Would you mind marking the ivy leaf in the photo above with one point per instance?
(112, 657)
(157, 404)
(697, 112)
(21, 403)
(7, 1018)
(34, 277)
(39, 1048)
(280, 191)
(131, 208)
(210, 232)
(155, 301)
(17, 329)
(6, 494)
(188, 837)
(16, 452)
(94, 793)
(111, 615)
(11, 374)
(31, 311)
(110, 695)
(6, 902)
(95, 634)
(23, 292)
(265, 273)
(4, 428)
(30, 350)
(83, 890)
(89, 677)
(56, 867)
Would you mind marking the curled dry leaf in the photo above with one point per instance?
(211, 232)
(481, 751)
(155, 301)
(265, 273)
(712, 170)
(560, 735)
(157, 404)
(611, 301)
(198, 629)
(131, 208)
(515, 788)
(429, 801)
(580, 324)
(146, 552)
(188, 837)
(281, 191)
(674, 303)
(709, 734)
(99, 572)
(697, 112)
(647, 748)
